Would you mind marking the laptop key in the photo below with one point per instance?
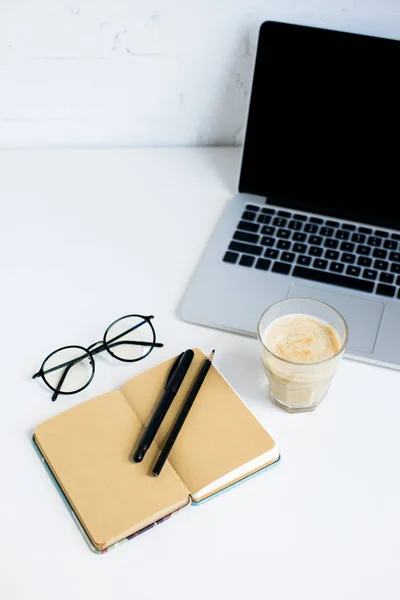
(280, 267)
(299, 237)
(390, 244)
(347, 247)
(283, 245)
(358, 238)
(245, 248)
(288, 256)
(336, 267)
(279, 222)
(381, 265)
(247, 226)
(249, 215)
(348, 226)
(331, 254)
(331, 243)
(363, 261)
(246, 261)
(299, 248)
(332, 223)
(374, 241)
(271, 253)
(263, 264)
(395, 267)
(315, 240)
(300, 217)
(303, 260)
(385, 290)
(347, 257)
(230, 257)
(379, 253)
(244, 236)
(263, 219)
(319, 263)
(395, 256)
(333, 279)
(252, 207)
(364, 250)
(387, 278)
(266, 230)
(308, 228)
(283, 233)
(284, 213)
(352, 270)
(268, 211)
(295, 225)
(315, 251)
(370, 274)
(366, 230)
(342, 235)
(267, 241)
(379, 233)
(316, 220)
(326, 231)
(396, 236)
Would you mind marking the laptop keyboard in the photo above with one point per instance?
(317, 249)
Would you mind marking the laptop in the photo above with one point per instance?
(317, 213)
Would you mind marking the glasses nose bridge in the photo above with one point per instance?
(95, 348)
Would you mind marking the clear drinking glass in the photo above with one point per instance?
(300, 386)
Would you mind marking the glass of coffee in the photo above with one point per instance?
(302, 342)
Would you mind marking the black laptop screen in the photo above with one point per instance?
(323, 125)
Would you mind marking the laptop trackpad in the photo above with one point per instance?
(363, 316)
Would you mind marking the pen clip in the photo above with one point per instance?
(174, 367)
(178, 370)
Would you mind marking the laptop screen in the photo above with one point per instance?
(322, 132)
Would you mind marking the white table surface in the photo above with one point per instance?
(87, 236)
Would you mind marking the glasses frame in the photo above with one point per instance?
(92, 350)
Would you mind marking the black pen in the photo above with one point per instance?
(182, 415)
(174, 380)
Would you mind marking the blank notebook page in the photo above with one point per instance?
(220, 433)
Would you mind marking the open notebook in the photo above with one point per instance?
(88, 450)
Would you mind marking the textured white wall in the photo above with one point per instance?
(145, 72)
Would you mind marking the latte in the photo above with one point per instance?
(300, 355)
(302, 339)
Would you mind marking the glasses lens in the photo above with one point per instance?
(68, 369)
(130, 338)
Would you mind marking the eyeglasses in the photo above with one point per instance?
(70, 369)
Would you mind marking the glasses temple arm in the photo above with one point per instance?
(120, 335)
(133, 343)
(68, 364)
(62, 378)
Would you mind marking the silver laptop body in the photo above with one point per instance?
(318, 209)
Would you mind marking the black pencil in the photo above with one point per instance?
(182, 415)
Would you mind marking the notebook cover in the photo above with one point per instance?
(220, 433)
(88, 449)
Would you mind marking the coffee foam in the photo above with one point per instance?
(300, 338)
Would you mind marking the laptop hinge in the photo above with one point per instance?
(283, 201)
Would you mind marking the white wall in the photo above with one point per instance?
(145, 72)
